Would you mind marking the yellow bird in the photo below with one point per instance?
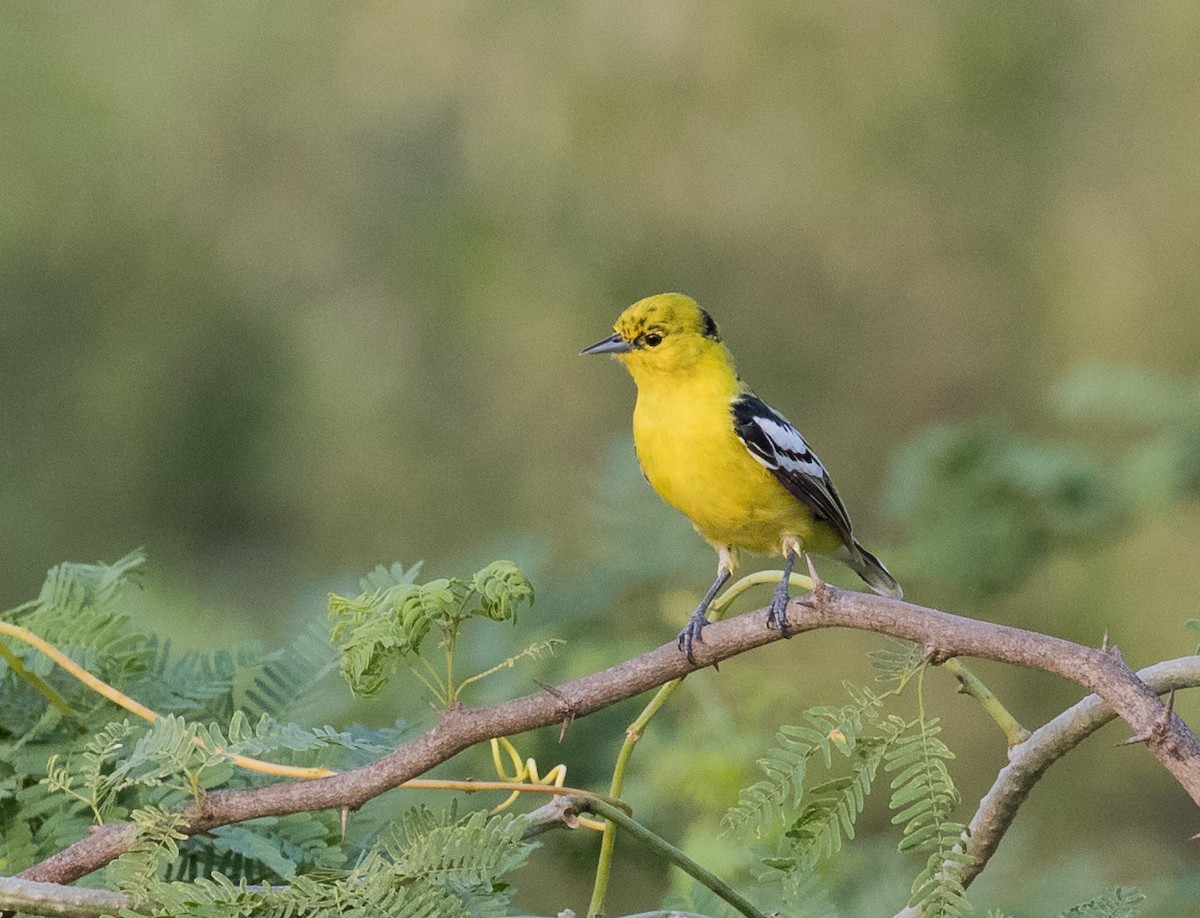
(729, 462)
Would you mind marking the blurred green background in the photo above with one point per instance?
(290, 290)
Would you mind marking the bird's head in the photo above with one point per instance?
(663, 334)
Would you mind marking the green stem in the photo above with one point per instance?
(637, 728)
(433, 681)
(451, 691)
(609, 838)
(973, 686)
(45, 688)
(531, 651)
(671, 853)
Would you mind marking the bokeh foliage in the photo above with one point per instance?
(266, 274)
(286, 292)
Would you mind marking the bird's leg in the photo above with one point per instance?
(777, 611)
(695, 625)
(692, 630)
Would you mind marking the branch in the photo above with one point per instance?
(666, 850)
(1101, 672)
(1029, 761)
(1045, 746)
(30, 898)
(970, 684)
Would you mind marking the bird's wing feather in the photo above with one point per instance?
(777, 445)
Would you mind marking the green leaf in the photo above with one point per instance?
(1118, 902)
(502, 590)
(384, 578)
(984, 505)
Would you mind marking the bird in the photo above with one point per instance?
(733, 465)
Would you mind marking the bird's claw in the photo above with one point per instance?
(777, 610)
(692, 633)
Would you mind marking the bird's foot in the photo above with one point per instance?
(691, 633)
(777, 610)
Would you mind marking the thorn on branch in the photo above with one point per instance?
(1158, 731)
(1142, 737)
(819, 588)
(1104, 642)
(568, 709)
(345, 820)
(936, 656)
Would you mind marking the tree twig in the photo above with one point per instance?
(1101, 672)
(633, 733)
(671, 853)
(1029, 761)
(1045, 746)
(31, 898)
(971, 684)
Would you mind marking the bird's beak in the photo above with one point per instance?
(613, 344)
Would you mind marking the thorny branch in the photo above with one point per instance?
(1102, 672)
(1045, 746)
(1029, 761)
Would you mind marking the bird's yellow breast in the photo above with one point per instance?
(688, 449)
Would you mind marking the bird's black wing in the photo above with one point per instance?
(776, 444)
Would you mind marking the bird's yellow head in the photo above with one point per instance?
(665, 334)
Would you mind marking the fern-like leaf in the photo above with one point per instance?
(807, 897)
(71, 586)
(834, 807)
(467, 853)
(502, 590)
(826, 729)
(388, 623)
(95, 782)
(897, 662)
(77, 611)
(136, 873)
(384, 578)
(374, 631)
(17, 848)
(924, 796)
(1118, 902)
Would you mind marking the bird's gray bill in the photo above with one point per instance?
(613, 344)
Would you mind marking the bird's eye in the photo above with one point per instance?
(653, 340)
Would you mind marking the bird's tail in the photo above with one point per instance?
(871, 569)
